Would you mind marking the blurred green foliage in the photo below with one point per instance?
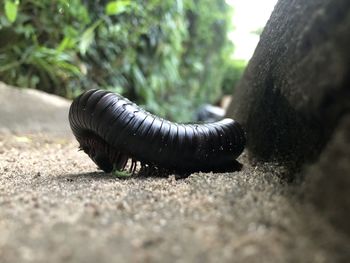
(168, 55)
(233, 73)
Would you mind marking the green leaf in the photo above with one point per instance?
(86, 40)
(118, 173)
(11, 8)
(88, 37)
(117, 7)
(66, 43)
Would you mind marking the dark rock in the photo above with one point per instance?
(296, 86)
(327, 182)
(209, 113)
(294, 101)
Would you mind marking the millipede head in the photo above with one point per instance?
(106, 157)
(98, 155)
(103, 162)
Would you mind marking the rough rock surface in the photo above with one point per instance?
(327, 183)
(296, 87)
(294, 101)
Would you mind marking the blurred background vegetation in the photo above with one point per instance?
(168, 55)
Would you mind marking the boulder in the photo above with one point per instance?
(294, 101)
(297, 84)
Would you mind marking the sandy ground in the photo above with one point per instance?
(55, 206)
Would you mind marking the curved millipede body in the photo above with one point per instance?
(111, 130)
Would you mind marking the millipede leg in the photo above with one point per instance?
(133, 166)
(124, 164)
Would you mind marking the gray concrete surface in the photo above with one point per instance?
(32, 111)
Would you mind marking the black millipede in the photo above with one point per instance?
(112, 130)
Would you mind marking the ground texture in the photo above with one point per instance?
(57, 207)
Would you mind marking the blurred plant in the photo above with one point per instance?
(232, 75)
(170, 56)
(34, 49)
(11, 8)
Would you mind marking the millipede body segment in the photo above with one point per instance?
(111, 130)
